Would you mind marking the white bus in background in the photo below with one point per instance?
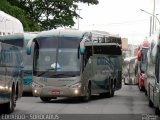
(9, 24)
(130, 70)
(27, 59)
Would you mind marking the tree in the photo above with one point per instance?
(50, 14)
(18, 13)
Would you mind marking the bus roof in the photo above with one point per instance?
(62, 32)
(145, 44)
(111, 38)
(29, 36)
(9, 24)
(13, 36)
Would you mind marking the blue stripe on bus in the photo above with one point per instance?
(27, 80)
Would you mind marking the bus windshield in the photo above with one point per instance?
(56, 55)
(143, 59)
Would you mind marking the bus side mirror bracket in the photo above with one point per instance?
(82, 47)
(29, 47)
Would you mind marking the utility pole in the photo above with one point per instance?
(150, 28)
(78, 17)
(153, 16)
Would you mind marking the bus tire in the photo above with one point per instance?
(150, 103)
(45, 99)
(157, 111)
(125, 82)
(9, 107)
(146, 92)
(87, 97)
(111, 90)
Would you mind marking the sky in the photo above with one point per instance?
(121, 17)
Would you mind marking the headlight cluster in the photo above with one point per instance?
(77, 85)
(4, 88)
(36, 85)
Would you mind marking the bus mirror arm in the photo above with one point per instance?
(29, 47)
(82, 48)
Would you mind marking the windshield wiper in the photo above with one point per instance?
(47, 70)
(66, 75)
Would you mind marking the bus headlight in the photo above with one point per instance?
(36, 85)
(4, 88)
(35, 91)
(77, 85)
(76, 91)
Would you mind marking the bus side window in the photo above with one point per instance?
(36, 51)
(157, 65)
(86, 56)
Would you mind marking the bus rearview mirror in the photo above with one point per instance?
(82, 48)
(82, 51)
(29, 47)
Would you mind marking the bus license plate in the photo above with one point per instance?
(56, 92)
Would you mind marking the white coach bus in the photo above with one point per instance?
(11, 71)
(71, 63)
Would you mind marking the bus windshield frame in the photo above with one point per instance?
(56, 56)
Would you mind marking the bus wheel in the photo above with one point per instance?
(9, 107)
(125, 82)
(150, 103)
(157, 111)
(45, 99)
(88, 94)
(111, 91)
(146, 92)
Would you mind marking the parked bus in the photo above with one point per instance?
(153, 72)
(71, 63)
(28, 61)
(11, 71)
(130, 69)
(142, 66)
(9, 25)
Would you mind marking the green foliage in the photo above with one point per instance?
(48, 14)
(18, 13)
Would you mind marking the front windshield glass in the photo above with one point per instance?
(56, 55)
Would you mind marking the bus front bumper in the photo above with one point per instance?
(27, 88)
(4, 98)
(57, 92)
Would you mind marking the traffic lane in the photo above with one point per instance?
(128, 100)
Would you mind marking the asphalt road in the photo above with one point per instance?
(127, 104)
